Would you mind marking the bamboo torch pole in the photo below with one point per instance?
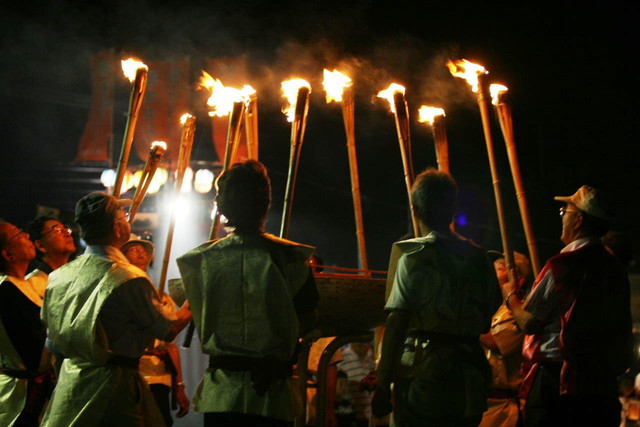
(398, 105)
(233, 139)
(186, 143)
(251, 127)
(338, 87)
(483, 104)
(506, 124)
(298, 127)
(348, 115)
(137, 73)
(158, 149)
(476, 76)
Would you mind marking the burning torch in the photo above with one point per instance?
(251, 126)
(338, 88)
(506, 124)
(158, 149)
(434, 117)
(475, 75)
(394, 94)
(296, 92)
(137, 73)
(232, 102)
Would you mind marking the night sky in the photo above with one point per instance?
(571, 72)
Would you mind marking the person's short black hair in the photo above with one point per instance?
(244, 195)
(36, 230)
(35, 227)
(434, 197)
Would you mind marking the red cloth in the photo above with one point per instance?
(595, 339)
(94, 142)
(166, 99)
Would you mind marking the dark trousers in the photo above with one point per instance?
(161, 396)
(233, 419)
(545, 406)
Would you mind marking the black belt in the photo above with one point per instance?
(19, 373)
(127, 362)
(262, 369)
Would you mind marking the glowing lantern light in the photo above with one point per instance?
(108, 178)
(203, 181)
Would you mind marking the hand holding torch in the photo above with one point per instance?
(137, 73)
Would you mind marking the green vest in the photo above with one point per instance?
(241, 291)
(89, 391)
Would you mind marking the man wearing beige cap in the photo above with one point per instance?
(578, 323)
(102, 312)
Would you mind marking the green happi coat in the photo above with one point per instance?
(241, 289)
(449, 286)
(13, 391)
(90, 391)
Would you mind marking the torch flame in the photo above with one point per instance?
(130, 67)
(496, 90)
(428, 114)
(185, 117)
(161, 144)
(468, 71)
(222, 98)
(290, 93)
(334, 84)
(389, 92)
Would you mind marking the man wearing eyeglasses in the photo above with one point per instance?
(54, 246)
(102, 312)
(578, 322)
(25, 378)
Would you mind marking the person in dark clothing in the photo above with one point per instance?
(25, 374)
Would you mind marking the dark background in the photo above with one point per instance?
(571, 70)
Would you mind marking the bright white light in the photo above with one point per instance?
(203, 181)
(161, 176)
(182, 207)
(186, 180)
(108, 178)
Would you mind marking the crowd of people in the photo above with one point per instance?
(88, 340)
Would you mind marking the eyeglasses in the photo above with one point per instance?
(20, 232)
(57, 229)
(564, 210)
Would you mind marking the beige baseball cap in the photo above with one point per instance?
(590, 201)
